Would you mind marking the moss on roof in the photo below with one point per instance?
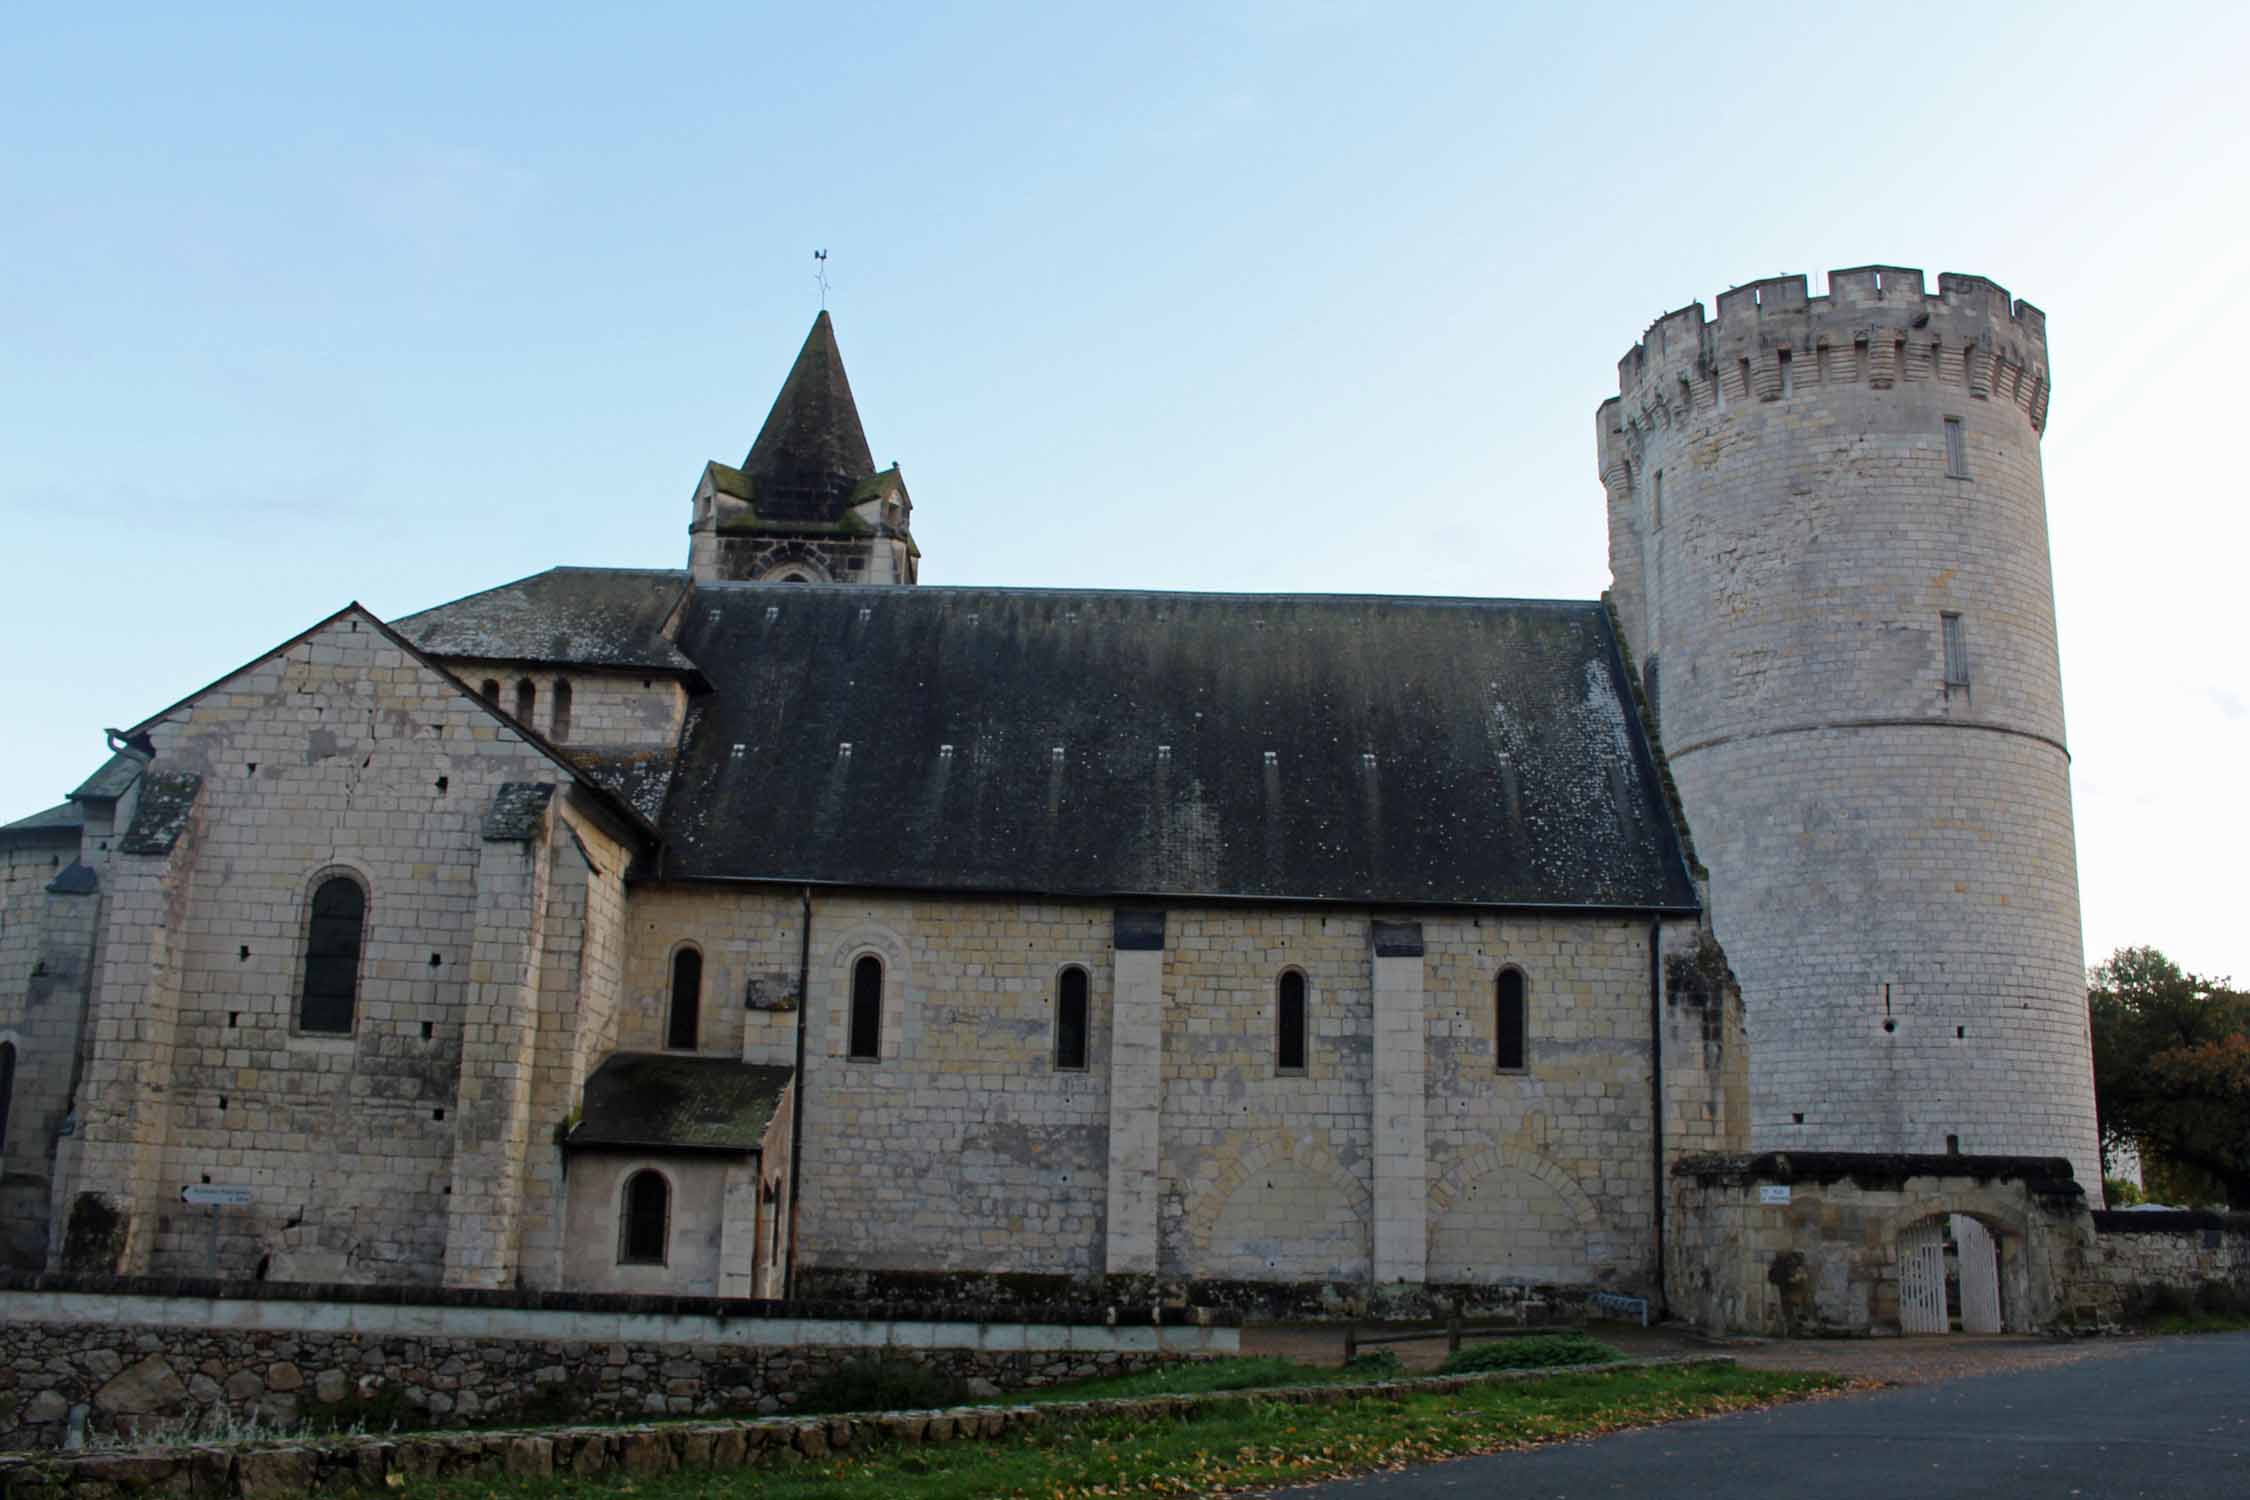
(657, 1101)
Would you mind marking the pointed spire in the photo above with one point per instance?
(812, 450)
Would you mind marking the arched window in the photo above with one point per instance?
(867, 1009)
(492, 691)
(1070, 1019)
(686, 1028)
(527, 699)
(332, 944)
(1510, 1042)
(561, 730)
(1289, 1024)
(645, 1228)
(7, 1088)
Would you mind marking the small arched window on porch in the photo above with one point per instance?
(1070, 1020)
(866, 1041)
(1510, 1018)
(560, 732)
(333, 938)
(7, 1088)
(1289, 1023)
(685, 1030)
(527, 699)
(645, 1231)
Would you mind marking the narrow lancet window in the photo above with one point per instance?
(332, 944)
(1956, 452)
(1509, 1022)
(1956, 654)
(561, 730)
(527, 700)
(7, 1088)
(1070, 1020)
(1289, 1024)
(492, 691)
(867, 1009)
(643, 1236)
(686, 1027)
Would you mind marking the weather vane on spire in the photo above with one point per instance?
(820, 276)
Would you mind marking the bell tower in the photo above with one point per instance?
(808, 504)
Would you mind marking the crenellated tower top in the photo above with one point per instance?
(1877, 324)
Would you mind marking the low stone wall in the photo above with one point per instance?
(120, 1362)
(271, 1471)
(1793, 1243)
(1211, 1300)
(2134, 1254)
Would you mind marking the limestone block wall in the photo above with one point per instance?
(2134, 1252)
(750, 939)
(340, 753)
(964, 1146)
(46, 970)
(590, 1258)
(608, 710)
(1891, 852)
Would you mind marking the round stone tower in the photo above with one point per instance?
(1828, 533)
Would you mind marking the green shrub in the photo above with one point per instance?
(1537, 1352)
(2222, 1299)
(2120, 1193)
(2160, 1300)
(1375, 1364)
(880, 1385)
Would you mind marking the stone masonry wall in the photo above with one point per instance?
(339, 754)
(1892, 857)
(2133, 1253)
(610, 710)
(46, 969)
(121, 1378)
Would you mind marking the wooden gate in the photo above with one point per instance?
(1921, 1278)
(1979, 1260)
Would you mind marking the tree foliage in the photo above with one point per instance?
(2172, 1067)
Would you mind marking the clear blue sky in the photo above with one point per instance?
(393, 304)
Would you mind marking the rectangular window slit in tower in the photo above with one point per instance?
(1782, 358)
(1859, 360)
(1656, 502)
(1956, 452)
(1953, 1145)
(1956, 653)
(1820, 365)
(1798, 1117)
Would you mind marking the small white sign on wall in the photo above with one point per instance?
(1773, 1193)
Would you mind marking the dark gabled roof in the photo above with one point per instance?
(812, 452)
(161, 815)
(1398, 751)
(581, 617)
(111, 781)
(63, 817)
(660, 1101)
(638, 778)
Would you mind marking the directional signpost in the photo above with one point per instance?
(216, 1198)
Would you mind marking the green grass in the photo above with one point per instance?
(1539, 1352)
(2192, 1323)
(1246, 1444)
(1245, 1373)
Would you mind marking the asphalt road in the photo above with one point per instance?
(2173, 1421)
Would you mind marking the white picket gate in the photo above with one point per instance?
(1979, 1260)
(1921, 1278)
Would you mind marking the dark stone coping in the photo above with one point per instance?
(2049, 1175)
(167, 800)
(517, 807)
(2168, 1221)
(1081, 1314)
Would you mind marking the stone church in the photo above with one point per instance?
(781, 926)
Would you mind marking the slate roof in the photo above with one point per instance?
(63, 817)
(663, 1101)
(1112, 744)
(583, 617)
(812, 452)
(638, 778)
(111, 781)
